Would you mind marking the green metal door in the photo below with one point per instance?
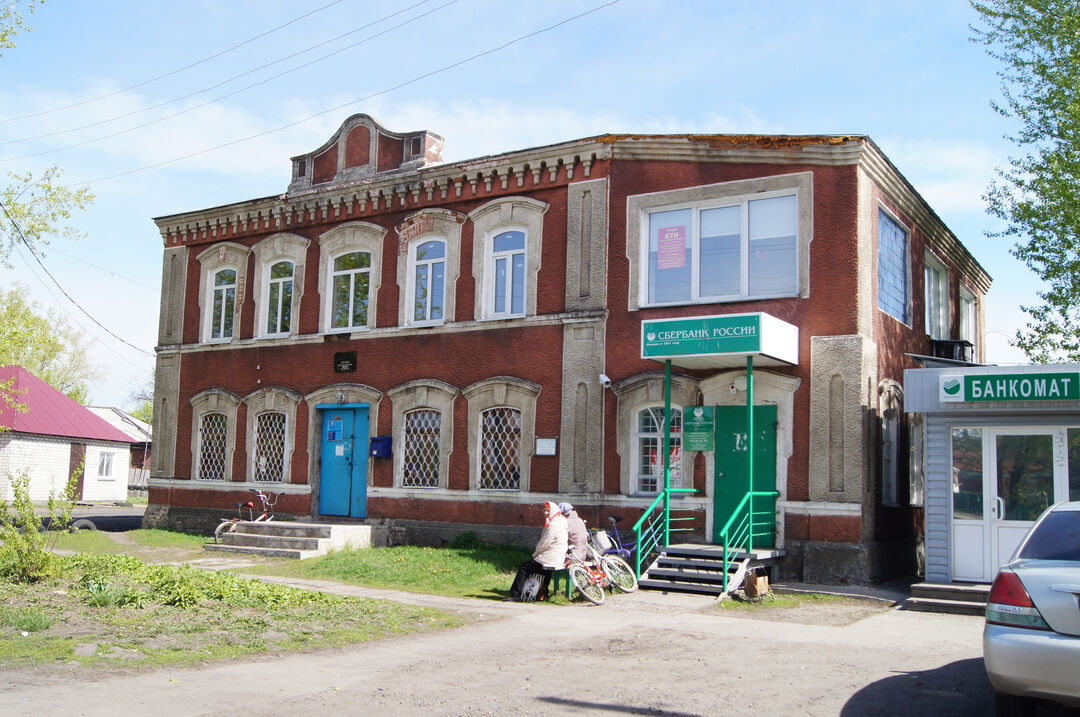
(730, 480)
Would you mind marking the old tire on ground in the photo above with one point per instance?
(82, 524)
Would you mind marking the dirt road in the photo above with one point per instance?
(643, 654)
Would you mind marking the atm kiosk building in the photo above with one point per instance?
(438, 347)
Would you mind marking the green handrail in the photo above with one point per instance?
(652, 531)
(739, 531)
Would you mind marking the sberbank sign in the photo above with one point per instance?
(1010, 387)
(739, 333)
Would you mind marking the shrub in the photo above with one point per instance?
(26, 555)
(466, 541)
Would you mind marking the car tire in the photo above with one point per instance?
(1006, 705)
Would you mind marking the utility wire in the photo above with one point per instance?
(227, 81)
(173, 72)
(22, 237)
(63, 308)
(110, 272)
(406, 83)
(221, 97)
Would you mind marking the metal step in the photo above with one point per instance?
(688, 576)
(668, 586)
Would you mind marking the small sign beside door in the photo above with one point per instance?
(698, 428)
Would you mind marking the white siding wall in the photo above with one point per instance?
(113, 486)
(45, 457)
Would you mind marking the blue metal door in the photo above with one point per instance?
(343, 465)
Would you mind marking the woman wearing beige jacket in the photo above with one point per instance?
(549, 556)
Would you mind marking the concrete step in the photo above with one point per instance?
(293, 540)
(665, 561)
(286, 529)
(967, 592)
(262, 552)
(272, 541)
(951, 607)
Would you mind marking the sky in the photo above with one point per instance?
(166, 107)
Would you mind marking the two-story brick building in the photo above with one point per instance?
(457, 319)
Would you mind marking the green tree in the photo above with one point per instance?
(46, 345)
(1038, 194)
(32, 206)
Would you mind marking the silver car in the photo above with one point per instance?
(1031, 642)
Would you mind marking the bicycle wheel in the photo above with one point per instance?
(226, 527)
(582, 580)
(620, 573)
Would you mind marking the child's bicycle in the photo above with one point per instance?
(229, 524)
(599, 571)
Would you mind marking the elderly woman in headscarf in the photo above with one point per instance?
(549, 556)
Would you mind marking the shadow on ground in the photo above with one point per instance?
(958, 689)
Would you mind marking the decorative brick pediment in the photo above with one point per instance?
(363, 149)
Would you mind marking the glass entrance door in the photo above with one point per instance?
(1003, 479)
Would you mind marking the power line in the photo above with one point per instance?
(398, 86)
(173, 72)
(224, 82)
(22, 237)
(221, 97)
(110, 272)
(63, 308)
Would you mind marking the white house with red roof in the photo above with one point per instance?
(53, 437)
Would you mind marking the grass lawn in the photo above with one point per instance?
(476, 572)
(114, 613)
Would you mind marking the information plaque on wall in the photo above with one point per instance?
(345, 362)
(698, 428)
(546, 446)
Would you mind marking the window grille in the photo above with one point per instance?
(650, 449)
(500, 449)
(270, 447)
(212, 447)
(420, 457)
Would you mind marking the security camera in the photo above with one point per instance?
(605, 380)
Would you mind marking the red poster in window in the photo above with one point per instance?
(671, 248)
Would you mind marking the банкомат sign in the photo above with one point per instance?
(1009, 387)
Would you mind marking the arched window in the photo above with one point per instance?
(649, 442)
(420, 449)
(223, 301)
(350, 284)
(500, 449)
(507, 272)
(210, 459)
(428, 281)
(279, 298)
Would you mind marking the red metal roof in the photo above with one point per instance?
(50, 412)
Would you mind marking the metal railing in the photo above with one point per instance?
(654, 528)
(743, 526)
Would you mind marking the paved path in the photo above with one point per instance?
(640, 654)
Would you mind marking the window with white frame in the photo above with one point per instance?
(428, 281)
(350, 284)
(506, 272)
(105, 463)
(269, 458)
(892, 267)
(727, 249)
(223, 304)
(279, 298)
(507, 253)
(420, 449)
(649, 449)
(500, 449)
(937, 298)
(210, 450)
(969, 320)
